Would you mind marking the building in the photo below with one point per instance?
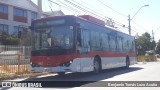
(16, 14)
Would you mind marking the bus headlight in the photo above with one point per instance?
(35, 65)
(71, 62)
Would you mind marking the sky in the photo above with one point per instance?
(146, 20)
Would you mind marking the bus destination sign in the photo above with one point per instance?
(49, 22)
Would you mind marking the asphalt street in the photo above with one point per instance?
(148, 71)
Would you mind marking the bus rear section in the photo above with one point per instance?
(73, 44)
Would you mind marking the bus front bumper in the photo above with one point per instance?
(52, 69)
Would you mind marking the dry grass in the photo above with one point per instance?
(142, 58)
(14, 69)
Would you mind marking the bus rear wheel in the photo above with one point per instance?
(97, 65)
(127, 62)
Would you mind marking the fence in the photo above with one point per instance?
(14, 59)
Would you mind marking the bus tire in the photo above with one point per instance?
(127, 62)
(61, 73)
(97, 65)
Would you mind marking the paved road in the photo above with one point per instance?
(138, 72)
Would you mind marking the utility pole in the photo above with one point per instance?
(129, 18)
(153, 34)
(129, 24)
(39, 8)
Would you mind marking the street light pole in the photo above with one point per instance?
(129, 18)
(39, 8)
(129, 26)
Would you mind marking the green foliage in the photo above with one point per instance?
(25, 39)
(145, 43)
(12, 40)
(153, 45)
(7, 39)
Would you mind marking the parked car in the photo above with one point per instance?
(157, 55)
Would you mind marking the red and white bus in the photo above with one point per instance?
(78, 44)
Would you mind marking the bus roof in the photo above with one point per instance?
(99, 24)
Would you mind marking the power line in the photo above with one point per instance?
(65, 6)
(50, 7)
(95, 11)
(80, 8)
(87, 8)
(103, 11)
(157, 29)
(107, 17)
(111, 8)
(139, 25)
(89, 11)
(84, 9)
(135, 30)
(56, 4)
(45, 5)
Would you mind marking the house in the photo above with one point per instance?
(16, 14)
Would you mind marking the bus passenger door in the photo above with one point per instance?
(83, 41)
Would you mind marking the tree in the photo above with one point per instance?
(145, 42)
(158, 47)
(153, 45)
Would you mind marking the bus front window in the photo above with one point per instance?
(53, 37)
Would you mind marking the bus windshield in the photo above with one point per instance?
(53, 37)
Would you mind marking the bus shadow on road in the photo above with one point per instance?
(82, 79)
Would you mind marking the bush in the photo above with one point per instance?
(142, 58)
(6, 39)
(11, 40)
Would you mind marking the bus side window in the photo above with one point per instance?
(112, 43)
(85, 40)
(104, 41)
(119, 44)
(95, 40)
